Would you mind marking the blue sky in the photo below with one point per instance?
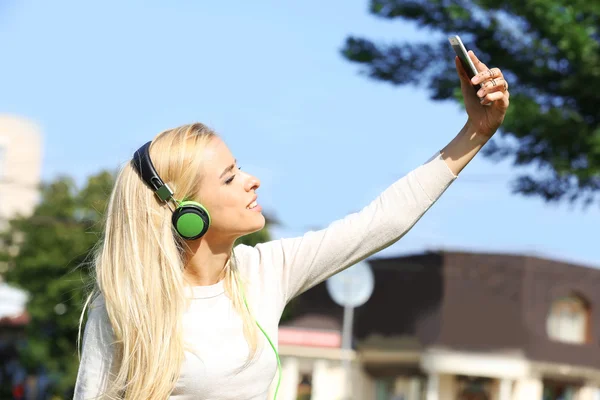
(101, 78)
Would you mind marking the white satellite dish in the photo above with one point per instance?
(353, 286)
(350, 288)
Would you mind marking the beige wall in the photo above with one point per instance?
(364, 385)
(20, 166)
(328, 375)
(587, 393)
(528, 388)
(447, 386)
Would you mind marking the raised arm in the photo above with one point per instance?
(299, 263)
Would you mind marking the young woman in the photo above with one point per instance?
(178, 312)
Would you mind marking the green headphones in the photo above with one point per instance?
(190, 219)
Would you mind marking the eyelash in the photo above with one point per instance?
(228, 181)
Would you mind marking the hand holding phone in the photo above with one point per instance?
(491, 90)
(463, 56)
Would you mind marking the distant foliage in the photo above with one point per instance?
(550, 52)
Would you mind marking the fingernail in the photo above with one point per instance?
(475, 80)
(480, 93)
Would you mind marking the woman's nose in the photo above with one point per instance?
(252, 183)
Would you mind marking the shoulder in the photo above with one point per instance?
(255, 261)
(245, 257)
(97, 304)
(98, 328)
(258, 267)
(259, 255)
(96, 311)
(97, 301)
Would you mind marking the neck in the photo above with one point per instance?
(206, 261)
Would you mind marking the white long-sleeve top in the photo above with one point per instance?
(277, 271)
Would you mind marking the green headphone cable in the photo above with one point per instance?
(268, 339)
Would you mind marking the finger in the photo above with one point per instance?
(487, 74)
(501, 97)
(481, 67)
(493, 85)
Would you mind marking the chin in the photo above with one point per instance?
(257, 225)
(261, 224)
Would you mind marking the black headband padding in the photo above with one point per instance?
(144, 167)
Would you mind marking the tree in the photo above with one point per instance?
(549, 50)
(53, 243)
(52, 264)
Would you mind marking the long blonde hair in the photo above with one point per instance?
(139, 265)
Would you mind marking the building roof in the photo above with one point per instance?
(468, 301)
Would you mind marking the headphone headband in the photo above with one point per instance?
(190, 219)
(144, 167)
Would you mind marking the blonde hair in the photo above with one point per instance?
(139, 265)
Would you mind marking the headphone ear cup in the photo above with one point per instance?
(191, 220)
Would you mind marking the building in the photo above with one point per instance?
(20, 169)
(20, 166)
(453, 326)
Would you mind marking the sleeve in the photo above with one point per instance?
(302, 262)
(97, 356)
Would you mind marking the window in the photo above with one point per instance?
(569, 320)
(559, 391)
(473, 388)
(401, 388)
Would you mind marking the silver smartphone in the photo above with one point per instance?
(463, 56)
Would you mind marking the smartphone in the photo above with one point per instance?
(463, 56)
